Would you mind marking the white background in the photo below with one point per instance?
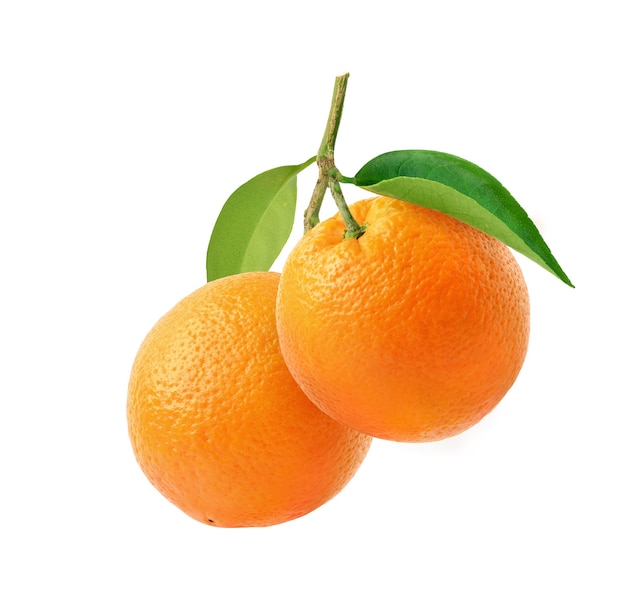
(124, 126)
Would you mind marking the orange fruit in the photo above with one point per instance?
(412, 332)
(216, 421)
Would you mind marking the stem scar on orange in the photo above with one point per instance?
(218, 424)
(412, 332)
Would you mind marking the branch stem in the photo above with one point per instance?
(329, 177)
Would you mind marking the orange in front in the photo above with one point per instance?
(412, 332)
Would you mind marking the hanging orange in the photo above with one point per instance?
(412, 332)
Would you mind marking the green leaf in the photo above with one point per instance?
(254, 224)
(460, 189)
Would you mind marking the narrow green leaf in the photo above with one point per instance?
(460, 189)
(254, 224)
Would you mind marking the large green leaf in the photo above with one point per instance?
(460, 189)
(254, 224)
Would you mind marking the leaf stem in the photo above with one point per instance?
(329, 177)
